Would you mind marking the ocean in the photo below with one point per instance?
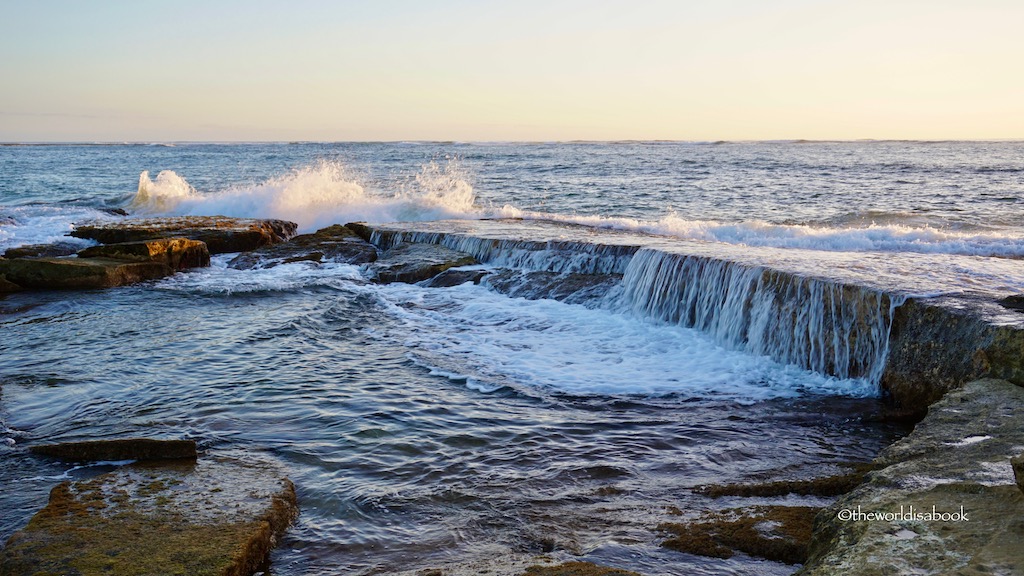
(477, 426)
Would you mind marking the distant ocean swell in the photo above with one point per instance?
(326, 193)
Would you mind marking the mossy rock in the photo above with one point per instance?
(779, 533)
(219, 516)
(577, 569)
(834, 485)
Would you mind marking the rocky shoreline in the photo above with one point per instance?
(967, 399)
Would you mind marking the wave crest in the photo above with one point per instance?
(315, 196)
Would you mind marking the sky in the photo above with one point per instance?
(529, 70)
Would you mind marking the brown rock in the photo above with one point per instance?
(221, 234)
(176, 253)
(78, 273)
(779, 533)
(215, 517)
(122, 449)
(577, 569)
(1017, 463)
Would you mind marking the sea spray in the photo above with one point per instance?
(315, 196)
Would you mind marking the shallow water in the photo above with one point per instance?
(463, 427)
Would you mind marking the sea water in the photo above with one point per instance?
(474, 427)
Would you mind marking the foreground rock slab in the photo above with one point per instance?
(218, 516)
(120, 449)
(335, 243)
(221, 234)
(412, 263)
(957, 460)
(104, 266)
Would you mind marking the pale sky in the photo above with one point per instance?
(517, 70)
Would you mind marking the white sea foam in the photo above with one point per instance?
(45, 224)
(490, 340)
(889, 237)
(315, 196)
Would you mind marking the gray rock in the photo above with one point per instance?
(455, 277)
(417, 262)
(54, 250)
(334, 243)
(958, 457)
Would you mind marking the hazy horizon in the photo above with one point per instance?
(557, 70)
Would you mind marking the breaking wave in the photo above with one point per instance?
(318, 195)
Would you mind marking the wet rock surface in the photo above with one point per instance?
(935, 348)
(76, 273)
(120, 449)
(335, 243)
(572, 288)
(54, 250)
(455, 277)
(957, 459)
(218, 516)
(412, 263)
(104, 266)
(577, 569)
(779, 533)
(176, 253)
(221, 234)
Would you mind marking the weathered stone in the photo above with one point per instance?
(54, 250)
(416, 262)
(176, 253)
(1017, 463)
(1015, 302)
(78, 273)
(450, 278)
(572, 288)
(218, 516)
(221, 234)
(577, 569)
(957, 457)
(935, 348)
(779, 533)
(361, 229)
(335, 243)
(121, 449)
(7, 286)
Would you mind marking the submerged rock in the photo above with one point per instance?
(450, 278)
(779, 533)
(577, 569)
(219, 516)
(221, 234)
(335, 243)
(104, 266)
(121, 449)
(572, 288)
(835, 485)
(955, 471)
(43, 250)
(412, 263)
